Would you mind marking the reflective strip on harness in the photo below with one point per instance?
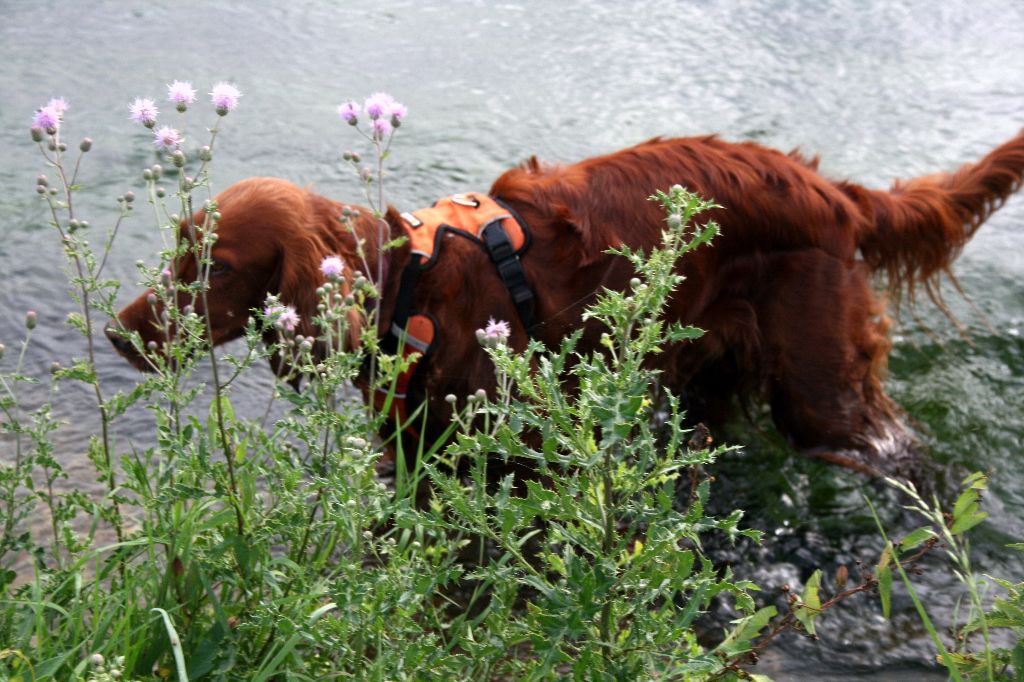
(417, 337)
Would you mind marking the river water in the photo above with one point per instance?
(879, 90)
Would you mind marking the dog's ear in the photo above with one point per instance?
(593, 236)
(301, 256)
(564, 200)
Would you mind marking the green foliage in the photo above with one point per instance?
(245, 551)
(967, 659)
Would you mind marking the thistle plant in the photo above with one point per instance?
(385, 115)
(598, 544)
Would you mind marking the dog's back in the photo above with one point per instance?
(785, 293)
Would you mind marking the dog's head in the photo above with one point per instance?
(271, 238)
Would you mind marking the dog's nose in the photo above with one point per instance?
(122, 344)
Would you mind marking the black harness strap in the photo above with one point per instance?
(403, 304)
(503, 254)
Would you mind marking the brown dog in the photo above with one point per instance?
(784, 293)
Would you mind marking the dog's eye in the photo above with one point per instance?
(219, 267)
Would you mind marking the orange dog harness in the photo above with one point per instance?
(480, 218)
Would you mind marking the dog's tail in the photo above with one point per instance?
(915, 231)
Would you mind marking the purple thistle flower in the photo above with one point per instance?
(58, 104)
(48, 119)
(349, 111)
(332, 266)
(381, 128)
(398, 111)
(167, 138)
(181, 93)
(143, 111)
(378, 105)
(225, 97)
(496, 329)
(282, 316)
(496, 333)
(289, 319)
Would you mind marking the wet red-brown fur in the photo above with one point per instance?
(785, 292)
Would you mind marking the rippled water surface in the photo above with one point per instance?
(879, 91)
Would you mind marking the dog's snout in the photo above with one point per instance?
(117, 338)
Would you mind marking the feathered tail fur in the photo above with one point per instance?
(914, 231)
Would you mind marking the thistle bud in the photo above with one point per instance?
(147, 174)
(55, 367)
(2, 349)
(158, 170)
(480, 394)
(178, 158)
(129, 197)
(165, 278)
(96, 660)
(450, 398)
(40, 189)
(675, 221)
(151, 346)
(37, 134)
(215, 216)
(160, 192)
(30, 320)
(42, 181)
(205, 153)
(151, 299)
(61, 146)
(86, 144)
(73, 225)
